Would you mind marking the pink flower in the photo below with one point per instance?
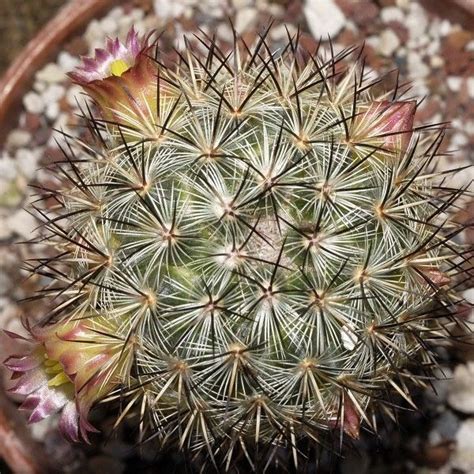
(388, 125)
(70, 366)
(114, 60)
(350, 422)
(122, 80)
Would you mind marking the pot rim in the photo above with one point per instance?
(70, 19)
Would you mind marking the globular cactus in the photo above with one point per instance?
(251, 252)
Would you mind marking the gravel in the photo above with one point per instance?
(324, 18)
(26, 161)
(22, 224)
(389, 14)
(53, 93)
(18, 138)
(470, 87)
(389, 43)
(245, 19)
(461, 393)
(33, 103)
(463, 457)
(454, 83)
(67, 62)
(50, 74)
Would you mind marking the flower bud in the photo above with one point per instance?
(70, 366)
(122, 80)
(385, 125)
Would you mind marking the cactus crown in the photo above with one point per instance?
(262, 237)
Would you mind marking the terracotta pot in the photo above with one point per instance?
(73, 17)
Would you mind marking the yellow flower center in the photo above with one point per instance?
(118, 67)
(55, 369)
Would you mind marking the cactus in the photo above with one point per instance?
(249, 252)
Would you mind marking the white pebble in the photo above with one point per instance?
(454, 83)
(445, 28)
(470, 87)
(461, 178)
(432, 46)
(389, 14)
(8, 310)
(463, 456)
(53, 93)
(419, 88)
(416, 67)
(351, 26)
(94, 34)
(51, 74)
(33, 103)
(416, 21)
(141, 28)
(436, 61)
(116, 13)
(52, 111)
(60, 125)
(74, 95)
(8, 170)
(417, 42)
(18, 138)
(455, 123)
(215, 12)
(280, 32)
(137, 14)
(168, 9)
(324, 18)
(124, 25)
(458, 140)
(108, 26)
(39, 86)
(403, 4)
(27, 162)
(245, 19)
(5, 231)
(67, 62)
(461, 395)
(22, 223)
(239, 4)
(389, 42)
(373, 41)
(273, 9)
(469, 127)
(433, 28)
(224, 31)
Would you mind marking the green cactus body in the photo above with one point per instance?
(266, 239)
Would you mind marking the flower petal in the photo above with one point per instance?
(14, 335)
(69, 422)
(391, 122)
(29, 382)
(22, 363)
(49, 401)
